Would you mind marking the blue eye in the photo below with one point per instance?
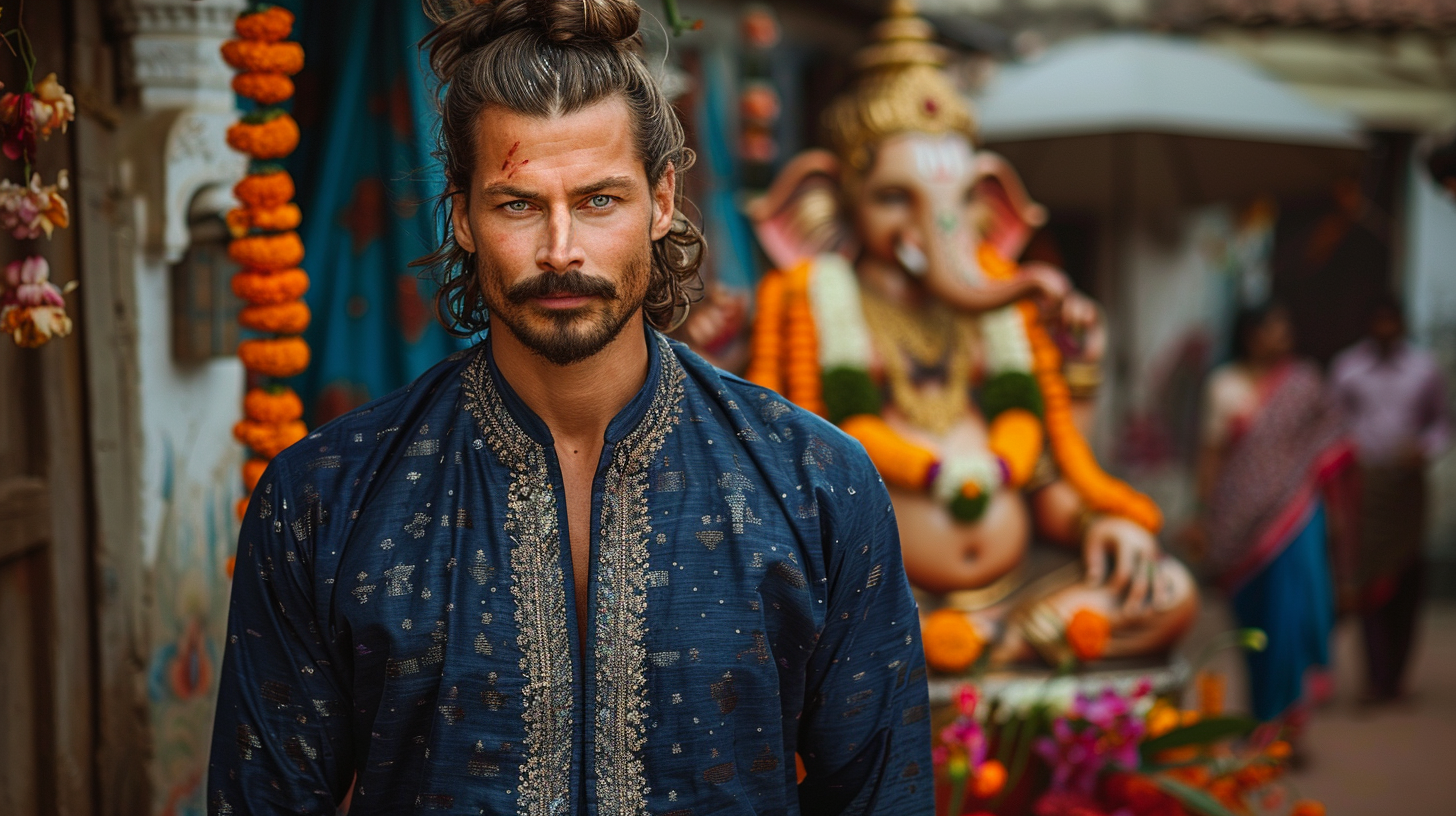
(600, 201)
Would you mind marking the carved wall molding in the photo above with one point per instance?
(173, 56)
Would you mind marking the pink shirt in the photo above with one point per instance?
(1394, 402)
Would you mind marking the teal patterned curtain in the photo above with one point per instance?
(365, 182)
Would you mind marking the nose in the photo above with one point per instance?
(561, 252)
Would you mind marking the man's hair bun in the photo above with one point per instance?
(610, 21)
(476, 22)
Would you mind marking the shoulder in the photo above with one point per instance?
(1350, 361)
(793, 449)
(357, 439)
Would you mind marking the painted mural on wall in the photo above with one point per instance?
(197, 535)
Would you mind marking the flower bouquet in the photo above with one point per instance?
(1061, 748)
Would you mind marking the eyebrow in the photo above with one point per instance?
(512, 191)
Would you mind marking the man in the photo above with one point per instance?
(574, 570)
(1397, 405)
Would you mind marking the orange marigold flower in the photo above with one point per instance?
(271, 139)
(990, 779)
(252, 472)
(241, 509)
(1088, 633)
(273, 219)
(263, 190)
(269, 439)
(261, 287)
(1279, 749)
(1308, 807)
(280, 404)
(1162, 718)
(276, 357)
(950, 640)
(276, 318)
(1016, 437)
(269, 25)
(264, 57)
(279, 251)
(266, 88)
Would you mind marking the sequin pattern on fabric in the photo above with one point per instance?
(539, 589)
(621, 602)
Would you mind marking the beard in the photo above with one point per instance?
(566, 336)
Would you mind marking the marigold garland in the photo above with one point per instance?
(264, 57)
(1088, 633)
(266, 89)
(268, 251)
(284, 217)
(269, 138)
(277, 318)
(265, 188)
(1016, 437)
(262, 287)
(269, 24)
(950, 640)
(902, 463)
(277, 404)
(269, 439)
(264, 240)
(766, 348)
(275, 357)
(801, 344)
(253, 472)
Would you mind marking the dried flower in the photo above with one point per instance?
(29, 212)
(53, 108)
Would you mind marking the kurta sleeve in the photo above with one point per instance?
(865, 732)
(280, 738)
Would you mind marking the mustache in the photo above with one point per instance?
(566, 284)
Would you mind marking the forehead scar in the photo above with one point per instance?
(509, 156)
(517, 167)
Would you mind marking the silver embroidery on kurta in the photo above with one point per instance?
(621, 602)
(539, 590)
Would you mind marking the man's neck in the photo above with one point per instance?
(576, 401)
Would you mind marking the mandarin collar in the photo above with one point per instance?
(626, 419)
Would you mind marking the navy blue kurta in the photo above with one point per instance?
(403, 614)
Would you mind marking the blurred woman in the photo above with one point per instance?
(1274, 443)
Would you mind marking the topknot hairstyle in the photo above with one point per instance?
(547, 58)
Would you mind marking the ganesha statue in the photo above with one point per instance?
(898, 312)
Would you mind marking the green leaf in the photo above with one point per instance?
(1007, 390)
(1203, 732)
(969, 510)
(848, 392)
(1192, 798)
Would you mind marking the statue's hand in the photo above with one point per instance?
(1134, 553)
(1052, 286)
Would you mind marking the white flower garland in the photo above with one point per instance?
(844, 337)
(1003, 337)
(981, 468)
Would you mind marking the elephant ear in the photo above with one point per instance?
(1010, 213)
(799, 217)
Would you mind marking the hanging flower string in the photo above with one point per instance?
(32, 309)
(265, 242)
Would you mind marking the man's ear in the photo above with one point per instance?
(664, 203)
(460, 221)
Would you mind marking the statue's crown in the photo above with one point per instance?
(900, 87)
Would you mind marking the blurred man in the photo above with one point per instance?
(1396, 400)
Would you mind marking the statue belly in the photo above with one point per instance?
(942, 554)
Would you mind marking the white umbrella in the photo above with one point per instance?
(1159, 120)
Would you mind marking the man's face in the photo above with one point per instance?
(562, 219)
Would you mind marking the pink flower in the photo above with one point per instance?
(27, 283)
(29, 212)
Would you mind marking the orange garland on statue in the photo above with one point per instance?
(1101, 492)
(264, 241)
